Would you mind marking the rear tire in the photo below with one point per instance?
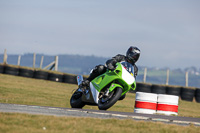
(158, 89)
(1, 68)
(173, 90)
(104, 105)
(39, 74)
(143, 87)
(11, 70)
(26, 72)
(76, 100)
(187, 94)
(197, 95)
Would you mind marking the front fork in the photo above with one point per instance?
(113, 86)
(110, 89)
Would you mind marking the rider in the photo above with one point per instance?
(132, 55)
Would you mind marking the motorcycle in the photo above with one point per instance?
(105, 90)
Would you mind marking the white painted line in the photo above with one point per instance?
(99, 113)
(54, 108)
(140, 117)
(159, 119)
(118, 115)
(196, 123)
(181, 122)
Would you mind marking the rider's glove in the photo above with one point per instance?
(111, 67)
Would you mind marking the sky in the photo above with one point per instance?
(166, 31)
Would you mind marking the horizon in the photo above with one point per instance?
(150, 67)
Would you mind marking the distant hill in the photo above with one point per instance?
(75, 64)
(78, 64)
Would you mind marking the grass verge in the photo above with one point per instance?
(23, 123)
(20, 90)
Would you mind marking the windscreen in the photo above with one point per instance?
(129, 67)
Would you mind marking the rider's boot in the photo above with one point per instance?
(84, 85)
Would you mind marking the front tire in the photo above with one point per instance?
(122, 97)
(111, 100)
(76, 100)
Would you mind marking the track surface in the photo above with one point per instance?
(44, 110)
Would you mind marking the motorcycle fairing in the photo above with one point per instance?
(127, 77)
(95, 93)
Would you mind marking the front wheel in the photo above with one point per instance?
(122, 97)
(76, 100)
(106, 102)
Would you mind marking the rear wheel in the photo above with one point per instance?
(108, 101)
(76, 101)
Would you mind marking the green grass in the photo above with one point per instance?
(25, 123)
(20, 90)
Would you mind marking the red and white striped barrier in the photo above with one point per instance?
(145, 103)
(167, 104)
(150, 103)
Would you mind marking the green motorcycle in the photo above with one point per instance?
(106, 89)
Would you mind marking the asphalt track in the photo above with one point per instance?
(55, 111)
